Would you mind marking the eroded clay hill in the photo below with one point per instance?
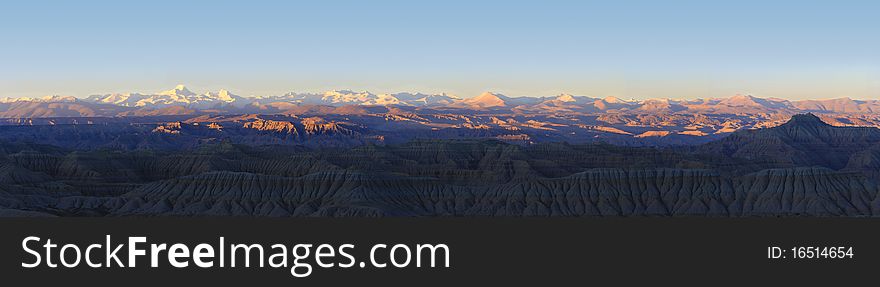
(803, 167)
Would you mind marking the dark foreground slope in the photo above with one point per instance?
(804, 167)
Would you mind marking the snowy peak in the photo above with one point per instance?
(657, 100)
(419, 99)
(565, 98)
(179, 96)
(656, 105)
(46, 99)
(486, 100)
(347, 97)
(741, 101)
(179, 90)
(57, 98)
(569, 99)
(613, 100)
(222, 95)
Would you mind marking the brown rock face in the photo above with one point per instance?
(318, 126)
(273, 126)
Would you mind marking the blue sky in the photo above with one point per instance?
(629, 49)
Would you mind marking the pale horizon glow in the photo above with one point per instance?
(626, 49)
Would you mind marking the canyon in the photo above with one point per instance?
(286, 165)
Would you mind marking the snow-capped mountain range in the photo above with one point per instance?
(347, 97)
(182, 100)
(179, 96)
(46, 99)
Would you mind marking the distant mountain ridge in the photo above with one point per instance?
(225, 102)
(179, 96)
(401, 116)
